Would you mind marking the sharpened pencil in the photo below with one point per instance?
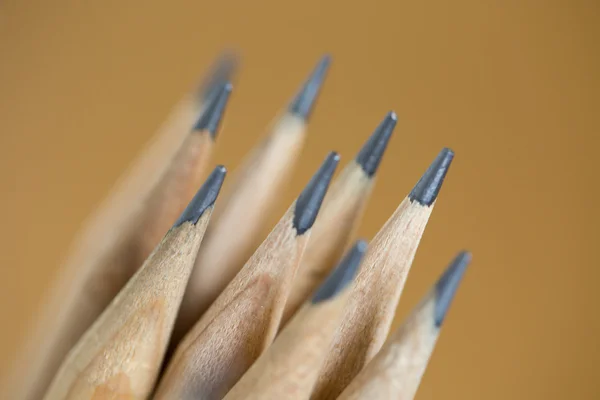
(253, 189)
(289, 368)
(341, 211)
(116, 240)
(121, 354)
(370, 310)
(396, 371)
(243, 321)
(169, 197)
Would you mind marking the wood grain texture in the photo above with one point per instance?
(240, 324)
(121, 354)
(338, 218)
(289, 368)
(112, 245)
(110, 269)
(372, 304)
(396, 371)
(239, 216)
(513, 87)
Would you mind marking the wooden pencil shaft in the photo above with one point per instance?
(341, 209)
(341, 212)
(165, 202)
(202, 365)
(239, 217)
(60, 324)
(396, 371)
(290, 366)
(240, 324)
(373, 301)
(124, 232)
(121, 352)
(120, 355)
(370, 309)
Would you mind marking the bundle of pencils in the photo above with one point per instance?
(165, 297)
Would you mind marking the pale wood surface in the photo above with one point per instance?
(121, 354)
(396, 371)
(373, 300)
(240, 216)
(240, 324)
(113, 244)
(289, 368)
(513, 87)
(338, 219)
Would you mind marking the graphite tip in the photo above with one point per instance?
(371, 153)
(213, 113)
(204, 198)
(426, 190)
(304, 101)
(222, 71)
(343, 274)
(309, 201)
(446, 286)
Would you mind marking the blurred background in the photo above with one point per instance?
(513, 87)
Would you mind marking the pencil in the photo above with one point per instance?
(239, 217)
(289, 368)
(372, 303)
(116, 240)
(243, 321)
(121, 354)
(341, 211)
(396, 371)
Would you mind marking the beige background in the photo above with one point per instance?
(512, 88)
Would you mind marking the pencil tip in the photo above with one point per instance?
(304, 101)
(309, 201)
(343, 274)
(371, 153)
(446, 286)
(221, 72)
(213, 113)
(204, 198)
(426, 190)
